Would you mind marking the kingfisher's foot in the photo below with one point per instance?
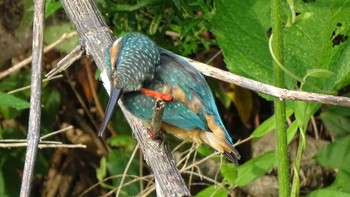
(159, 136)
(156, 95)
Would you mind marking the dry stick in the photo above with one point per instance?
(26, 61)
(67, 61)
(35, 99)
(95, 37)
(126, 170)
(42, 145)
(25, 141)
(135, 178)
(28, 87)
(157, 117)
(147, 178)
(81, 101)
(206, 178)
(269, 89)
(56, 132)
(11, 143)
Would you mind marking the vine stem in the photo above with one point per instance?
(280, 105)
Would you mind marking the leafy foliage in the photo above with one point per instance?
(7, 100)
(187, 20)
(316, 58)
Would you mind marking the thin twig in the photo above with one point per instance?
(206, 178)
(239, 142)
(25, 141)
(134, 179)
(28, 87)
(67, 61)
(35, 99)
(126, 170)
(56, 132)
(81, 101)
(92, 85)
(26, 61)
(42, 145)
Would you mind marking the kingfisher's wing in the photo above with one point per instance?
(193, 101)
(175, 113)
(178, 72)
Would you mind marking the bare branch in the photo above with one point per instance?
(43, 144)
(269, 89)
(126, 170)
(56, 132)
(68, 60)
(35, 99)
(28, 87)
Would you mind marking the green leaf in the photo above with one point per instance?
(307, 50)
(291, 131)
(51, 100)
(255, 168)
(204, 150)
(303, 111)
(337, 124)
(7, 100)
(328, 193)
(214, 191)
(319, 73)
(241, 26)
(344, 111)
(54, 32)
(335, 155)
(341, 182)
(116, 164)
(153, 28)
(229, 171)
(101, 173)
(51, 7)
(125, 142)
(268, 125)
(130, 8)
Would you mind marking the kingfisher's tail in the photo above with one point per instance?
(221, 145)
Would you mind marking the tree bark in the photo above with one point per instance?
(95, 37)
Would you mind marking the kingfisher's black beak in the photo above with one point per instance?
(113, 98)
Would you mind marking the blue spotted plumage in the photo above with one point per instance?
(191, 115)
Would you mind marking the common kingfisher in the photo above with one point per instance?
(143, 72)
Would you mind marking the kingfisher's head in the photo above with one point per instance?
(130, 62)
